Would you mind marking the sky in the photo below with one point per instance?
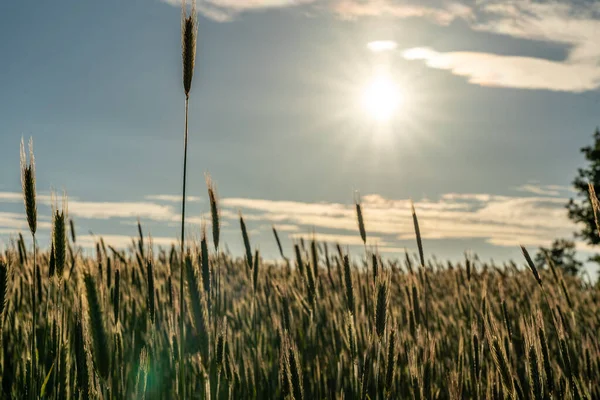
(490, 103)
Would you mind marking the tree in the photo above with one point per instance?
(580, 209)
(562, 255)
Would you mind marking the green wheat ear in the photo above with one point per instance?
(97, 328)
(295, 370)
(381, 308)
(246, 241)
(391, 360)
(214, 210)
(189, 32)
(350, 302)
(59, 235)
(361, 222)
(220, 346)
(81, 355)
(28, 184)
(4, 276)
(531, 265)
(278, 241)
(151, 303)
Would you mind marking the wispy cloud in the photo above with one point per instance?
(107, 209)
(171, 198)
(283, 227)
(17, 197)
(341, 239)
(380, 46)
(534, 218)
(120, 241)
(443, 13)
(499, 220)
(394, 250)
(226, 10)
(575, 24)
(17, 221)
(543, 190)
(486, 69)
(572, 23)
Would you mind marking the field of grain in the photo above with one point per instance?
(317, 324)
(194, 321)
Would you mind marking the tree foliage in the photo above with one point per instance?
(580, 209)
(562, 255)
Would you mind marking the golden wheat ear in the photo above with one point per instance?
(595, 203)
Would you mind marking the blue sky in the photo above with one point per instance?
(498, 97)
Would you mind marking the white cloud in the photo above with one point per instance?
(18, 222)
(499, 220)
(119, 241)
(11, 197)
(543, 190)
(104, 209)
(107, 209)
(442, 14)
(17, 197)
(534, 218)
(486, 69)
(393, 250)
(564, 22)
(256, 4)
(380, 46)
(171, 198)
(284, 227)
(575, 24)
(341, 239)
(226, 10)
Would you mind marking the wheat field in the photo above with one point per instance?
(317, 325)
(195, 321)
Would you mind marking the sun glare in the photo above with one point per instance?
(381, 98)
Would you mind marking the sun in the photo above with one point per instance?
(381, 98)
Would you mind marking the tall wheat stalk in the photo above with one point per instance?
(28, 184)
(189, 31)
(58, 248)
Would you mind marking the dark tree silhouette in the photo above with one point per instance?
(562, 255)
(580, 209)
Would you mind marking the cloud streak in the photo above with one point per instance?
(498, 220)
(106, 210)
(380, 46)
(574, 24)
(227, 10)
(443, 13)
(535, 217)
(544, 190)
(354, 240)
(120, 241)
(170, 198)
(486, 69)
